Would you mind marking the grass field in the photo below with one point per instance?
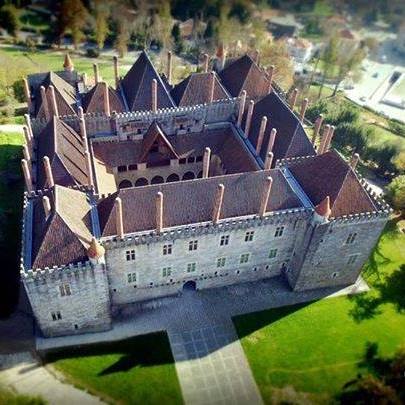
(318, 347)
(139, 370)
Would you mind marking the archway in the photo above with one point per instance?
(125, 184)
(190, 286)
(141, 182)
(173, 177)
(157, 180)
(188, 176)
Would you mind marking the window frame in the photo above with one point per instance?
(244, 258)
(193, 245)
(273, 253)
(224, 240)
(279, 231)
(221, 262)
(191, 267)
(130, 255)
(249, 236)
(167, 249)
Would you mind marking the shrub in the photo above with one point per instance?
(18, 90)
(397, 127)
(92, 53)
(396, 193)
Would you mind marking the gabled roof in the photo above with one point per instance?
(195, 89)
(155, 133)
(64, 236)
(244, 74)
(137, 85)
(291, 139)
(65, 149)
(64, 92)
(329, 175)
(190, 202)
(93, 101)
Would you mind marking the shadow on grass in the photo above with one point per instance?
(140, 351)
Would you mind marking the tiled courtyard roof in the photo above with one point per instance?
(65, 150)
(195, 89)
(329, 175)
(93, 101)
(137, 85)
(191, 201)
(64, 236)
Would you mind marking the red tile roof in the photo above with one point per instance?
(93, 101)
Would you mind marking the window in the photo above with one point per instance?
(199, 158)
(335, 274)
(64, 289)
(191, 267)
(182, 161)
(221, 262)
(244, 258)
(166, 271)
(351, 238)
(352, 259)
(132, 167)
(130, 255)
(122, 169)
(192, 245)
(167, 249)
(249, 236)
(224, 240)
(272, 253)
(191, 159)
(131, 278)
(56, 316)
(279, 231)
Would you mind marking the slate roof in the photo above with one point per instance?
(195, 89)
(245, 74)
(291, 139)
(93, 101)
(64, 236)
(137, 85)
(188, 202)
(329, 175)
(65, 149)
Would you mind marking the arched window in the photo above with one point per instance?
(199, 175)
(157, 180)
(141, 182)
(173, 177)
(188, 176)
(125, 184)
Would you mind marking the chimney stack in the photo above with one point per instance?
(293, 99)
(116, 72)
(48, 172)
(27, 137)
(354, 161)
(118, 218)
(265, 197)
(47, 206)
(26, 153)
(27, 93)
(317, 127)
(323, 139)
(27, 175)
(154, 95)
(169, 67)
(206, 163)
(249, 118)
(212, 87)
(106, 98)
(84, 78)
(304, 107)
(268, 161)
(271, 74)
(256, 56)
(242, 103)
(96, 73)
(329, 139)
(54, 103)
(219, 198)
(44, 100)
(206, 63)
(272, 139)
(159, 212)
(88, 164)
(260, 138)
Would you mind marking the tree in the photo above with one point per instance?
(329, 59)
(396, 194)
(163, 24)
(399, 162)
(73, 16)
(102, 13)
(9, 19)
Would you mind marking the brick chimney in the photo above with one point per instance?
(323, 210)
(317, 127)
(118, 218)
(206, 62)
(212, 87)
(159, 212)
(44, 100)
(206, 163)
(169, 67)
(27, 176)
(249, 118)
(27, 137)
(329, 139)
(154, 95)
(354, 161)
(26, 153)
(28, 124)
(323, 139)
(256, 56)
(221, 55)
(265, 197)
(260, 138)
(116, 72)
(54, 103)
(84, 78)
(219, 198)
(242, 103)
(47, 206)
(96, 73)
(268, 161)
(293, 99)
(304, 106)
(271, 74)
(272, 139)
(27, 93)
(106, 99)
(89, 168)
(48, 172)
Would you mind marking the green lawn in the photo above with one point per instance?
(317, 347)
(139, 370)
